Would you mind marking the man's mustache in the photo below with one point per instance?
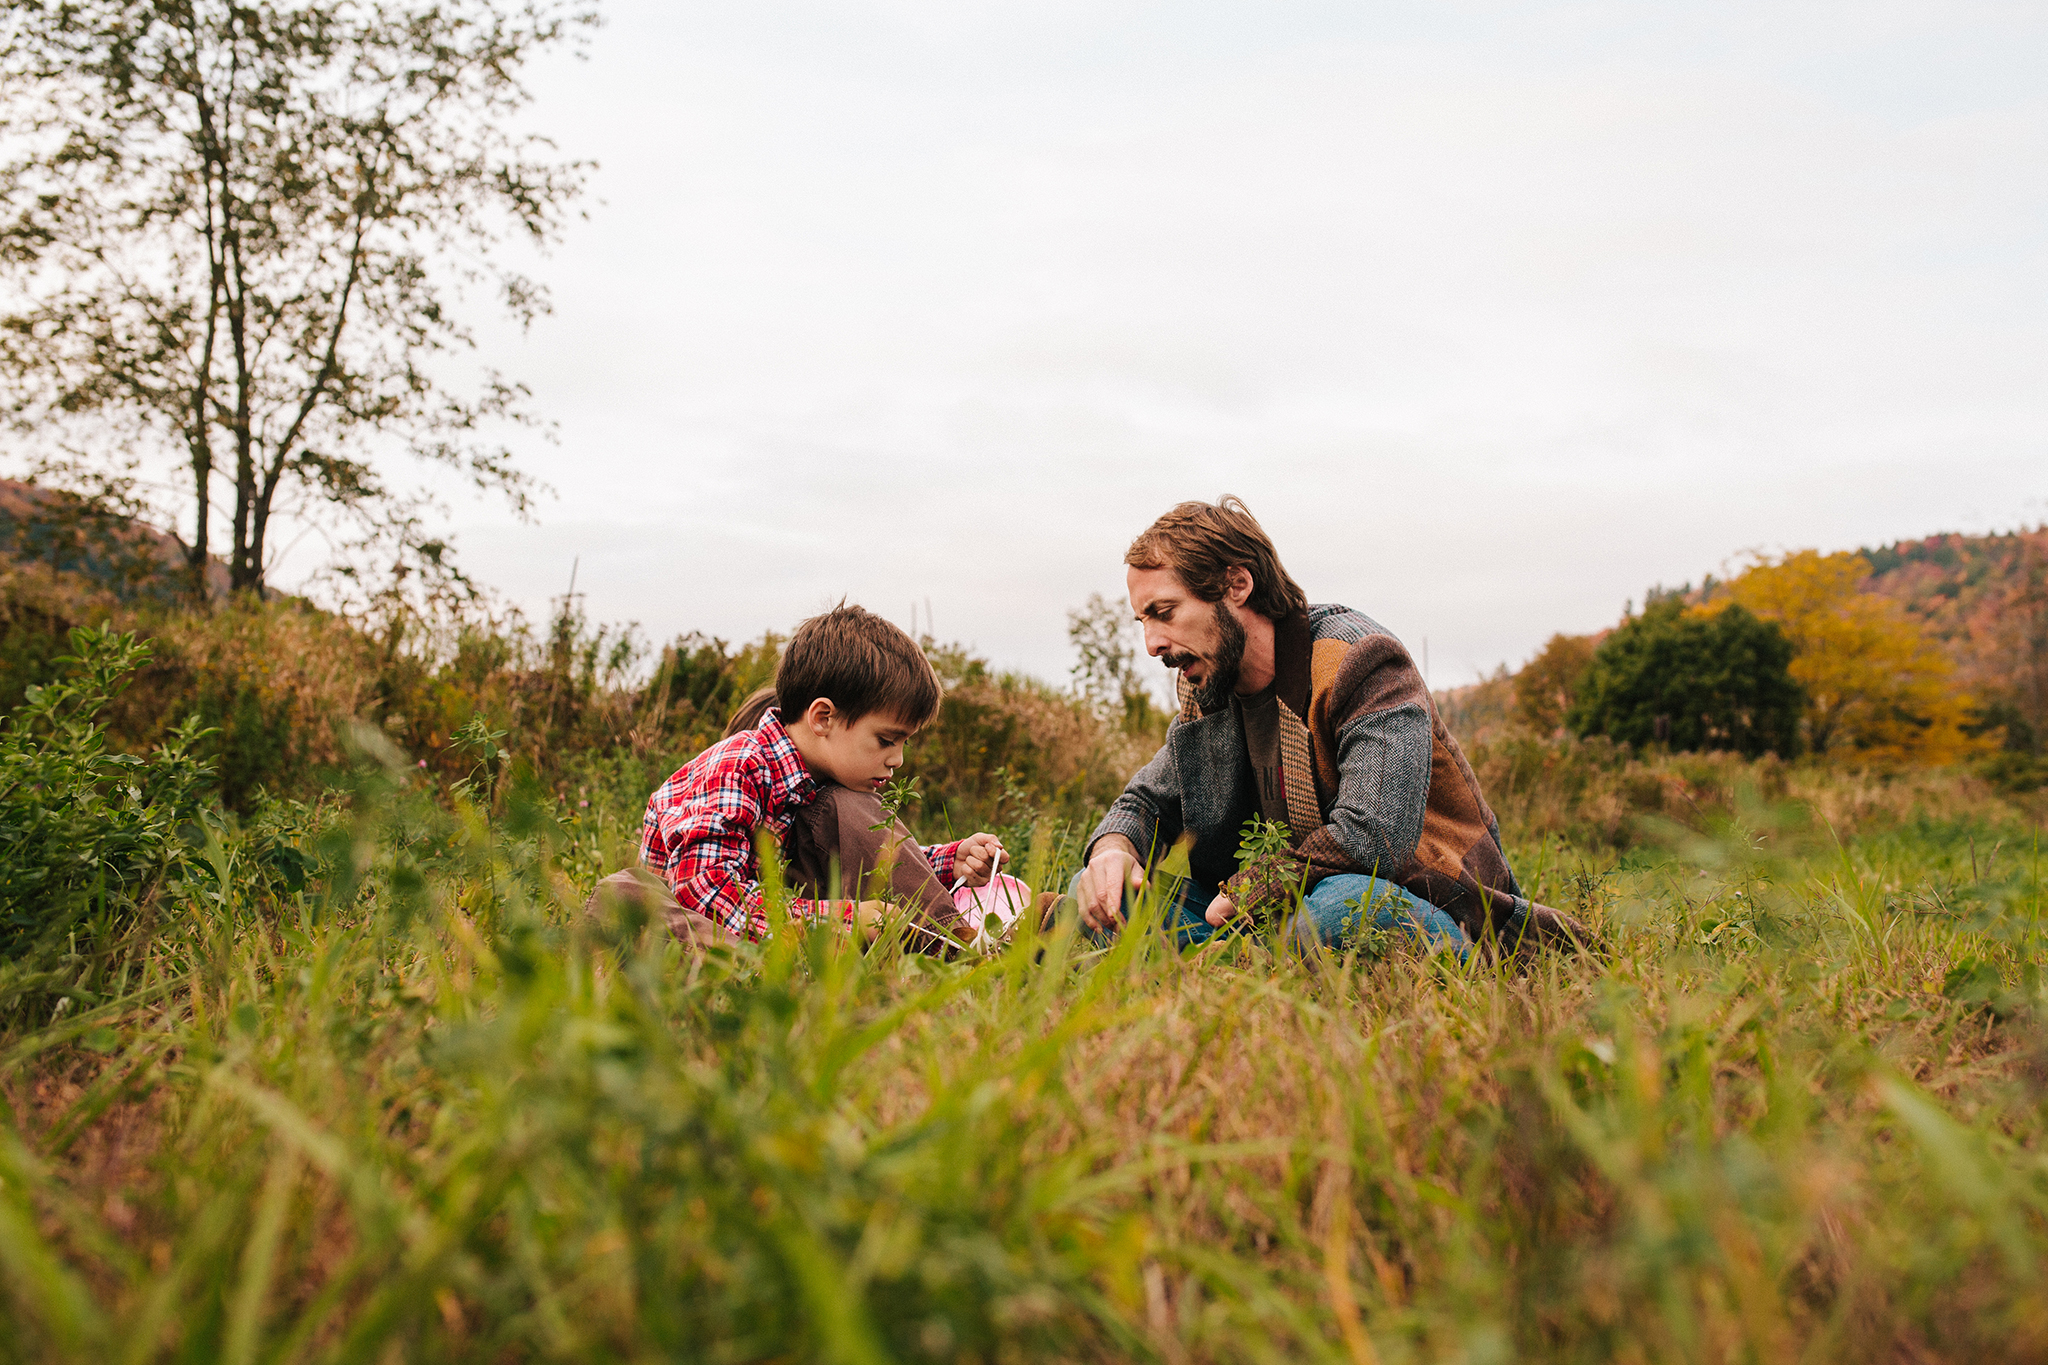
(1178, 660)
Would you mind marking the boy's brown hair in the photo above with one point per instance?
(858, 662)
(1201, 542)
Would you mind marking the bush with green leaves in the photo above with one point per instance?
(85, 832)
(1691, 680)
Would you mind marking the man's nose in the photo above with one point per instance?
(1155, 641)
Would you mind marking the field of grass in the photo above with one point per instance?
(355, 1080)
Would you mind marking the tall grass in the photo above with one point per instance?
(353, 1076)
(1595, 794)
(423, 1108)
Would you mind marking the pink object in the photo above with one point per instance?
(1004, 897)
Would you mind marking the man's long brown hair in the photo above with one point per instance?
(1202, 542)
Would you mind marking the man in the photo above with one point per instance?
(1311, 716)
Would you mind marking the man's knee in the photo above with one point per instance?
(1339, 908)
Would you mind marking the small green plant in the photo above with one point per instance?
(898, 794)
(1269, 880)
(85, 833)
(1263, 841)
(484, 747)
(1363, 933)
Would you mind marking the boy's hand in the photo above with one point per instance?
(977, 859)
(867, 919)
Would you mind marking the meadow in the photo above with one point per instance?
(345, 1073)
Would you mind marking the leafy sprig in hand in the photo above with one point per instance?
(1268, 879)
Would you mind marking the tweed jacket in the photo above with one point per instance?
(1372, 780)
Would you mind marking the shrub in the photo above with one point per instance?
(83, 829)
(2015, 770)
(1692, 680)
(1004, 741)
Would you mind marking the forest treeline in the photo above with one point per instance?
(1923, 653)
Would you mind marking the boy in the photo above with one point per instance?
(851, 690)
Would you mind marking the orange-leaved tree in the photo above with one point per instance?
(1876, 684)
(1547, 685)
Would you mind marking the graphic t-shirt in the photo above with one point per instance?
(1259, 716)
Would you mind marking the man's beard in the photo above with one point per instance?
(1223, 668)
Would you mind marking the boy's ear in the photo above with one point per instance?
(820, 714)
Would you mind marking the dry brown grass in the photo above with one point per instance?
(1596, 795)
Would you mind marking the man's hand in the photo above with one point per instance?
(978, 858)
(1220, 910)
(1114, 868)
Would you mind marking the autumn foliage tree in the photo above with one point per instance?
(1876, 685)
(2010, 631)
(235, 238)
(1548, 684)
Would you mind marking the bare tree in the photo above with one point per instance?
(235, 237)
(1109, 653)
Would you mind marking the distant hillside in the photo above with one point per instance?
(77, 536)
(1478, 711)
(1947, 580)
(1986, 599)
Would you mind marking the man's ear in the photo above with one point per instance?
(1237, 584)
(820, 714)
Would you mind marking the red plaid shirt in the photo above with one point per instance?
(700, 826)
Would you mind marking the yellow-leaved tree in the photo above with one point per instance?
(1876, 685)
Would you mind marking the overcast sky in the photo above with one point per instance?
(1494, 313)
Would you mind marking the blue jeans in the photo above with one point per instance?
(1334, 907)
